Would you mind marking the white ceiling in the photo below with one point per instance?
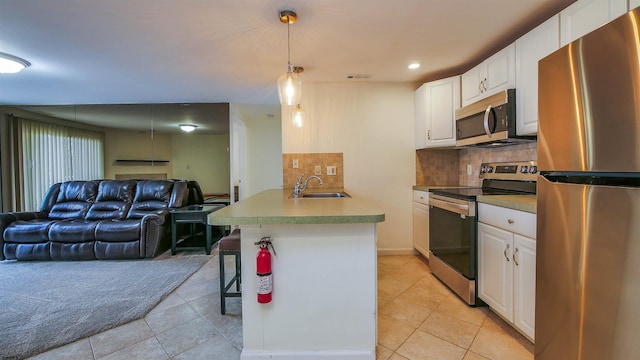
(215, 51)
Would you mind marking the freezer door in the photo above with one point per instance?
(589, 101)
(587, 272)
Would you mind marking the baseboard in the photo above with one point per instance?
(383, 252)
(307, 355)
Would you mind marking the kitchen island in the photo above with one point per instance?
(324, 276)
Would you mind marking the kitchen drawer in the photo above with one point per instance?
(516, 221)
(421, 197)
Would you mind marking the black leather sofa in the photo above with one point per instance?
(98, 219)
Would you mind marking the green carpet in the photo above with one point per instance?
(47, 304)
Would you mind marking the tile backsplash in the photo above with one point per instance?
(449, 167)
(306, 165)
(437, 167)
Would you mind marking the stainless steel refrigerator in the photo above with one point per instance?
(588, 232)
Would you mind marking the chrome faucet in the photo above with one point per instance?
(298, 189)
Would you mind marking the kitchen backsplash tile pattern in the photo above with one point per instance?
(449, 167)
(306, 165)
(437, 167)
(476, 156)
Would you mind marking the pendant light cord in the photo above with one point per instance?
(288, 45)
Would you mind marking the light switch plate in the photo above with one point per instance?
(331, 170)
(317, 170)
(295, 163)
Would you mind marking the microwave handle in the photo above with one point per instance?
(486, 121)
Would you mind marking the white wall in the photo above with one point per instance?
(256, 146)
(204, 158)
(372, 124)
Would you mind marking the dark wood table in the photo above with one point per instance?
(192, 214)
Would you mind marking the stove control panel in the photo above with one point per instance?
(516, 170)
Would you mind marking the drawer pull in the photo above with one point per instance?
(510, 221)
(505, 253)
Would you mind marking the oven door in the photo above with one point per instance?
(453, 244)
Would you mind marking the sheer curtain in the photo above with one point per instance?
(52, 153)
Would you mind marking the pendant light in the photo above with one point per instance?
(298, 114)
(289, 84)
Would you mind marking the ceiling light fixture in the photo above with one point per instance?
(289, 84)
(298, 114)
(10, 64)
(414, 66)
(187, 127)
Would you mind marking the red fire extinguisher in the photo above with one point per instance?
(264, 277)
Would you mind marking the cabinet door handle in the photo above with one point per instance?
(510, 221)
(515, 257)
(428, 134)
(505, 253)
(480, 86)
(484, 84)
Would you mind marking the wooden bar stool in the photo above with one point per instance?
(229, 245)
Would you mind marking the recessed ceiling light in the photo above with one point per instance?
(10, 64)
(187, 127)
(414, 66)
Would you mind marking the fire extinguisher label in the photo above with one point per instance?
(264, 284)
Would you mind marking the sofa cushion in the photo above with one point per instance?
(72, 230)
(72, 251)
(28, 232)
(115, 230)
(119, 250)
(40, 251)
(108, 210)
(152, 196)
(74, 199)
(116, 190)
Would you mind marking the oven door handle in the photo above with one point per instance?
(453, 207)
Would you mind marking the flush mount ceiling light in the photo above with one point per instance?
(414, 66)
(10, 64)
(289, 84)
(187, 127)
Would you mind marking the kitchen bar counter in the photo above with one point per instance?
(525, 203)
(275, 207)
(324, 275)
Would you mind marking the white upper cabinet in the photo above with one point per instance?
(489, 77)
(530, 48)
(436, 103)
(420, 104)
(584, 16)
(633, 4)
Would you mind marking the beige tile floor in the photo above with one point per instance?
(419, 318)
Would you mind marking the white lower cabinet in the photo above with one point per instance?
(421, 222)
(507, 265)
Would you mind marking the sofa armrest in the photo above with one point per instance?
(8, 218)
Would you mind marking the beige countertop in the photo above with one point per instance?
(517, 202)
(275, 207)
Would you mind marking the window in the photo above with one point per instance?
(52, 153)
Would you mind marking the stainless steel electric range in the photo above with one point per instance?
(453, 242)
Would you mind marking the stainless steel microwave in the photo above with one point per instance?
(489, 122)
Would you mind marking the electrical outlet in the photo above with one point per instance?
(317, 170)
(469, 169)
(295, 163)
(331, 170)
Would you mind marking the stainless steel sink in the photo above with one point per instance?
(323, 195)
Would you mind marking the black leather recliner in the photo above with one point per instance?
(98, 219)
